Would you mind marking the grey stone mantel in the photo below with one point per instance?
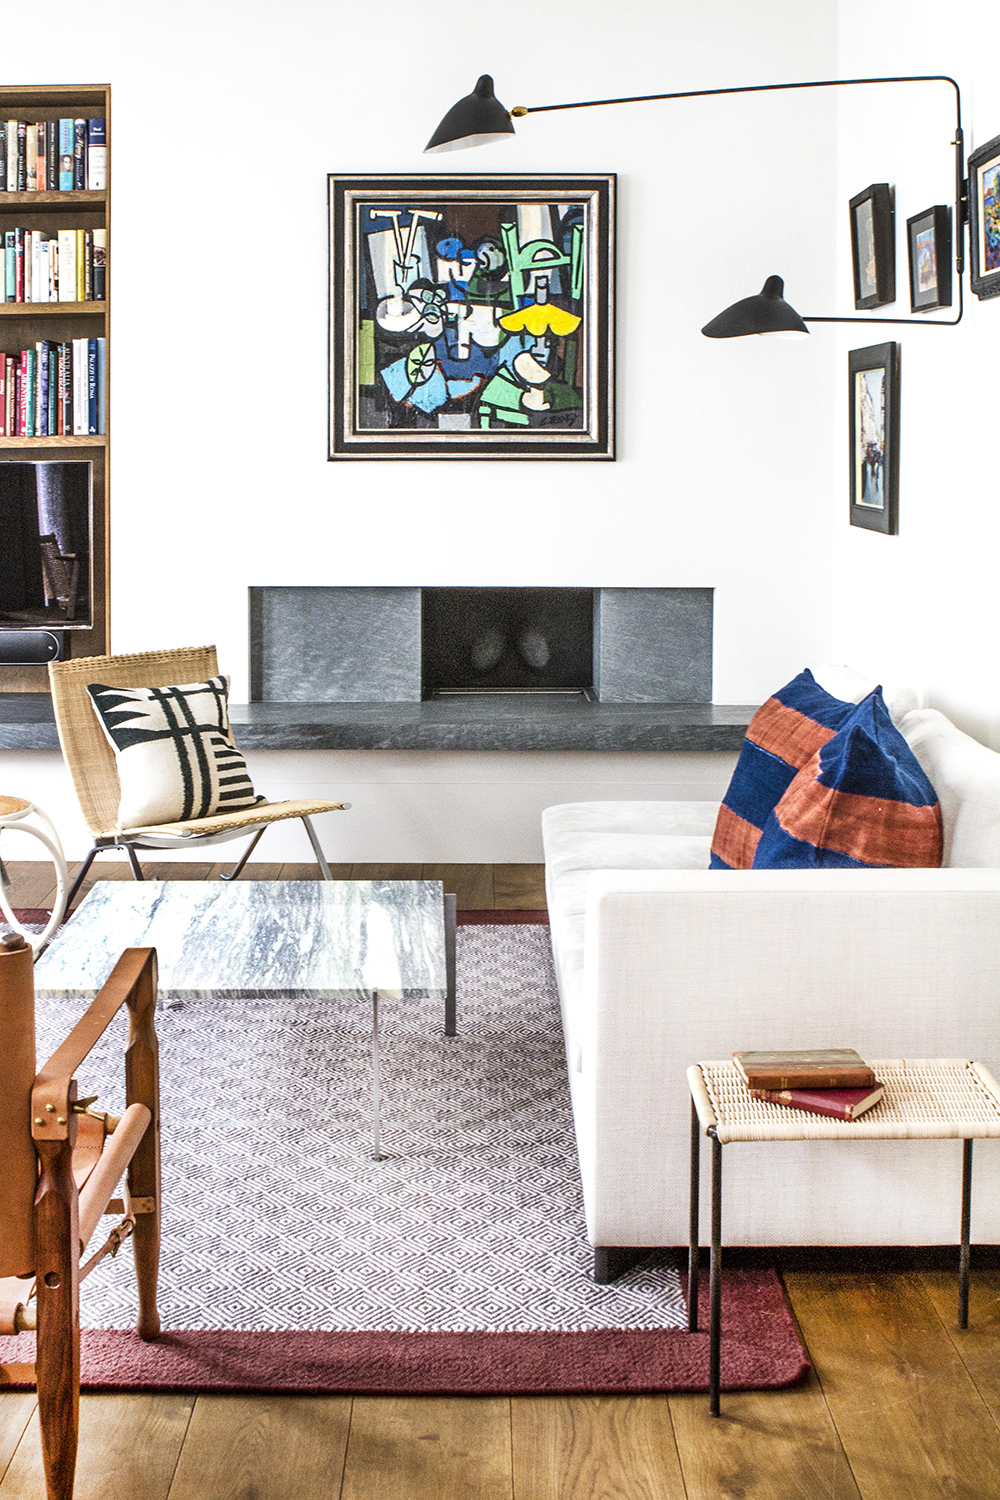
(518, 722)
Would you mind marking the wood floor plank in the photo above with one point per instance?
(386, 872)
(32, 882)
(129, 1446)
(472, 885)
(766, 1445)
(428, 1448)
(16, 1408)
(311, 872)
(594, 1448)
(978, 1345)
(263, 1448)
(519, 887)
(177, 869)
(911, 1421)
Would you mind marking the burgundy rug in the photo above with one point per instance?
(760, 1350)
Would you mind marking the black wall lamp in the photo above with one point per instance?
(480, 119)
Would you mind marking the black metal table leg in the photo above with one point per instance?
(450, 1022)
(693, 1235)
(963, 1259)
(715, 1277)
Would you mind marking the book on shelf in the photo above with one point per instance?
(839, 1104)
(54, 389)
(97, 155)
(79, 154)
(100, 264)
(822, 1068)
(66, 140)
(53, 155)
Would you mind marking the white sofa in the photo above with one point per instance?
(662, 962)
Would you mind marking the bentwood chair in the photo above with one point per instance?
(60, 1163)
(91, 762)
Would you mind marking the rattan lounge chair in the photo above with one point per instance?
(91, 762)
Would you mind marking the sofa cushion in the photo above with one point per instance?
(966, 777)
(861, 800)
(782, 737)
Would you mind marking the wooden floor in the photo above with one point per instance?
(900, 1404)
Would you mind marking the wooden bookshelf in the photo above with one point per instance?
(24, 323)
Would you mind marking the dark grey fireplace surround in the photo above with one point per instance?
(354, 668)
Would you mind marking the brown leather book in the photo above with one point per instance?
(841, 1104)
(816, 1068)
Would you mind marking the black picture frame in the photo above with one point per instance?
(984, 219)
(873, 246)
(928, 242)
(472, 316)
(873, 404)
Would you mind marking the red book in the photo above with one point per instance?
(841, 1104)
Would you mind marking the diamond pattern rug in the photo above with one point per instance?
(292, 1260)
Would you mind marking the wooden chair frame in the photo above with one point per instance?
(54, 1116)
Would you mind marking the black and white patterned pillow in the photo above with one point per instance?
(175, 759)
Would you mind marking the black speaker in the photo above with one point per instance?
(31, 648)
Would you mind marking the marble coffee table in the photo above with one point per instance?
(368, 940)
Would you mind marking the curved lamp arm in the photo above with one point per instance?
(480, 118)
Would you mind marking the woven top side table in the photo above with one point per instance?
(925, 1099)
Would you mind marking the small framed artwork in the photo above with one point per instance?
(873, 246)
(928, 237)
(984, 219)
(874, 437)
(472, 317)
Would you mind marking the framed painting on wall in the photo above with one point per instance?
(472, 317)
(984, 219)
(928, 237)
(874, 437)
(873, 246)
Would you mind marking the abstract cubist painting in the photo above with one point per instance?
(471, 317)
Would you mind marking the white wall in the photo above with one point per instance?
(921, 607)
(227, 118)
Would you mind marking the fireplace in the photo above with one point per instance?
(384, 644)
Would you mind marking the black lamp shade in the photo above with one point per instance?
(477, 120)
(767, 313)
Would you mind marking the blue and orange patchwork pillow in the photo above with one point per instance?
(861, 800)
(783, 736)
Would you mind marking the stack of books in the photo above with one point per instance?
(70, 266)
(833, 1081)
(54, 390)
(53, 156)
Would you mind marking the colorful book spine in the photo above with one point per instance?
(3, 396)
(100, 264)
(16, 428)
(42, 388)
(11, 154)
(40, 156)
(80, 265)
(53, 388)
(26, 402)
(22, 156)
(92, 387)
(3, 157)
(97, 156)
(79, 154)
(9, 263)
(88, 265)
(62, 379)
(52, 156)
(31, 158)
(102, 386)
(66, 140)
(18, 265)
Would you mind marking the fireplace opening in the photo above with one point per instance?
(507, 640)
